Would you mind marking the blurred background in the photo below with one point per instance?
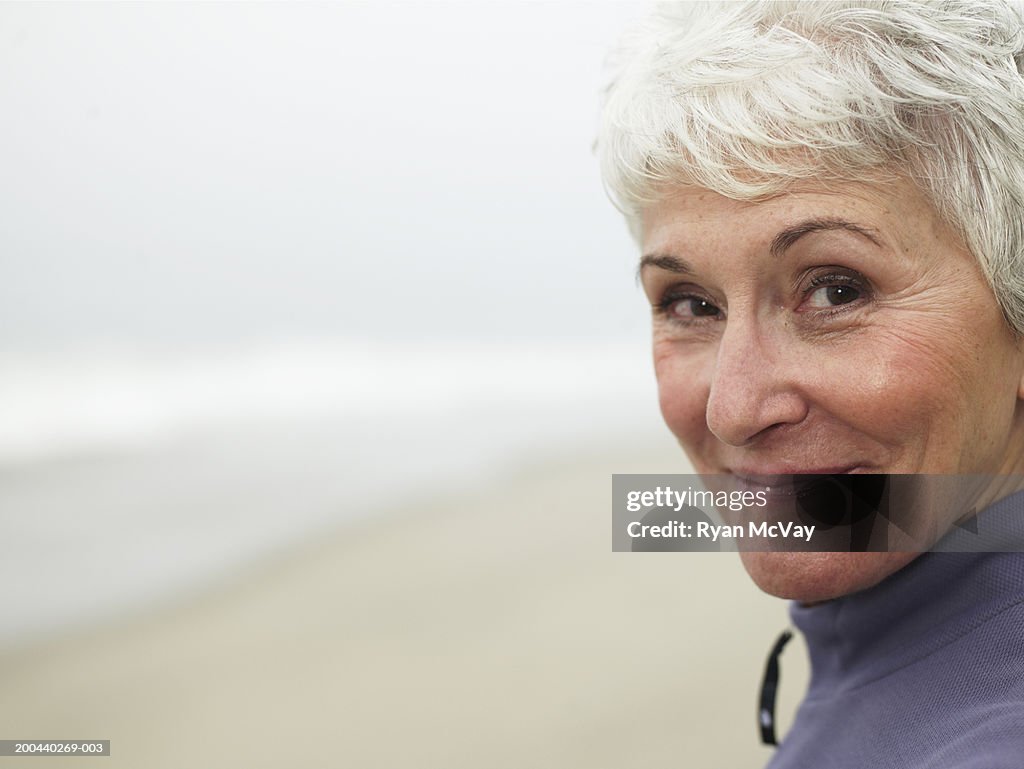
(319, 344)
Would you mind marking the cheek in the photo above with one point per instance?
(937, 394)
(879, 385)
(683, 387)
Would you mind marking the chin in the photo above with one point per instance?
(816, 577)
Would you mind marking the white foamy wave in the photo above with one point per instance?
(69, 404)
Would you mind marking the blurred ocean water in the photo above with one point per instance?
(415, 172)
(126, 478)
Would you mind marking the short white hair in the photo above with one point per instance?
(746, 98)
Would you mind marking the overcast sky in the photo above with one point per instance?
(183, 173)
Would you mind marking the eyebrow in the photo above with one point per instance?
(782, 241)
(793, 233)
(665, 262)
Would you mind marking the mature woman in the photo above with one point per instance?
(830, 202)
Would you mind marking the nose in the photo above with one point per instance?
(755, 384)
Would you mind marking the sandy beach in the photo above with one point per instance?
(492, 627)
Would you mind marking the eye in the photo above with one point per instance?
(833, 296)
(689, 308)
(697, 307)
(835, 290)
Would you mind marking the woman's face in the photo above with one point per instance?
(828, 331)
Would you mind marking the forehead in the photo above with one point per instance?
(897, 214)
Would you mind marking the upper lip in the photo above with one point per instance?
(781, 475)
(785, 482)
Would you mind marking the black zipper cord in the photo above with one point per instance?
(769, 689)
